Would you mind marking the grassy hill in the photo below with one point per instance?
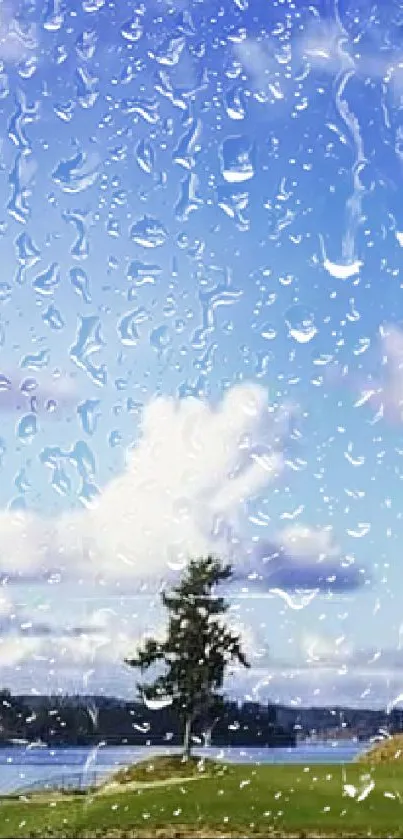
(165, 767)
(387, 751)
(294, 801)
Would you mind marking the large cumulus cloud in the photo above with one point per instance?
(184, 492)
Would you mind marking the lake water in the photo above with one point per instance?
(24, 768)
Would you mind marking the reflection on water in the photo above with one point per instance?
(22, 768)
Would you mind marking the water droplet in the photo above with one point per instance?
(342, 271)
(35, 361)
(65, 110)
(4, 86)
(127, 326)
(88, 342)
(54, 16)
(113, 228)
(5, 292)
(233, 203)
(149, 233)
(145, 156)
(81, 283)
(268, 332)
(20, 179)
(235, 104)
(86, 44)
(27, 428)
(53, 318)
(89, 415)
(158, 702)
(359, 460)
(132, 30)
(27, 68)
(363, 344)
(87, 89)
(77, 173)
(170, 51)
(21, 481)
(27, 252)
(114, 439)
(61, 481)
(84, 460)
(80, 248)
(188, 201)
(90, 6)
(160, 339)
(301, 324)
(147, 109)
(187, 144)
(5, 383)
(46, 282)
(28, 386)
(361, 530)
(237, 159)
(142, 273)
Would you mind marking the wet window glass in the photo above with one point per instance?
(201, 390)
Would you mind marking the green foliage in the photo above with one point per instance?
(198, 647)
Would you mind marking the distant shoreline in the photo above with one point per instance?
(86, 721)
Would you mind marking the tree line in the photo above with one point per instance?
(81, 721)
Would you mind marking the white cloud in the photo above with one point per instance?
(85, 649)
(261, 62)
(301, 558)
(326, 46)
(321, 45)
(15, 648)
(385, 393)
(68, 660)
(115, 638)
(322, 685)
(325, 650)
(255, 58)
(184, 492)
(383, 390)
(329, 670)
(392, 383)
(6, 606)
(304, 541)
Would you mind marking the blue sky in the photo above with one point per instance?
(201, 238)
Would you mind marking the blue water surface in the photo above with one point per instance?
(24, 768)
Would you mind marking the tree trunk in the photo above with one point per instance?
(187, 746)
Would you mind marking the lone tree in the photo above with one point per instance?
(197, 650)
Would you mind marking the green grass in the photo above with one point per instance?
(244, 801)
